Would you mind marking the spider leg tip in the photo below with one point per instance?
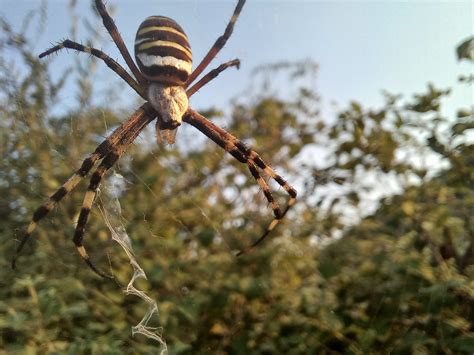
(97, 271)
(244, 251)
(237, 63)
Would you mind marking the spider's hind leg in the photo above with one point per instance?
(118, 40)
(212, 75)
(218, 45)
(112, 64)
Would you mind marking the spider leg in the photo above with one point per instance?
(218, 45)
(89, 198)
(200, 121)
(112, 64)
(139, 119)
(66, 188)
(245, 155)
(259, 162)
(117, 38)
(212, 75)
(266, 189)
(237, 154)
(108, 162)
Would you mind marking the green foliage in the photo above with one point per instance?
(397, 278)
(466, 49)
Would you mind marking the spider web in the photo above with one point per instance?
(110, 209)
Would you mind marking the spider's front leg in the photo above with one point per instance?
(246, 156)
(89, 198)
(107, 163)
(126, 132)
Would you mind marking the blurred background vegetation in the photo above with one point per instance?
(376, 257)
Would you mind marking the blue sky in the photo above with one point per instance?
(362, 47)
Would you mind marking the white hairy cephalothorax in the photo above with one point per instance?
(171, 102)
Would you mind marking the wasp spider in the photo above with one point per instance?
(163, 79)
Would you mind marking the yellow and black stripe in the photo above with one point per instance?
(162, 51)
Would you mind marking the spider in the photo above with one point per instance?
(163, 79)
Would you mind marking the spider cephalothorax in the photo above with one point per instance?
(163, 79)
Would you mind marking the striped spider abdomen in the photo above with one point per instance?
(164, 57)
(162, 51)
